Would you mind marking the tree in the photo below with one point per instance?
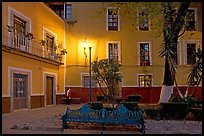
(107, 72)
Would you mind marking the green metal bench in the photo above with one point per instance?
(119, 116)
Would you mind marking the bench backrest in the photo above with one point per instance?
(121, 115)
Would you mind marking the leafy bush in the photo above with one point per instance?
(132, 106)
(153, 113)
(96, 105)
(118, 100)
(197, 113)
(133, 98)
(189, 100)
(109, 108)
(173, 110)
(101, 98)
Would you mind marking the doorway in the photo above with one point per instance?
(20, 91)
(49, 90)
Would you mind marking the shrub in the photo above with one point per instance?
(118, 100)
(100, 98)
(153, 113)
(109, 108)
(96, 105)
(189, 100)
(197, 113)
(173, 110)
(132, 106)
(133, 98)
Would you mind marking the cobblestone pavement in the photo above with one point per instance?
(46, 120)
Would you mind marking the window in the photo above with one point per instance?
(191, 20)
(68, 13)
(144, 54)
(143, 21)
(58, 9)
(50, 44)
(114, 52)
(19, 32)
(86, 81)
(64, 10)
(20, 26)
(20, 85)
(191, 49)
(49, 49)
(145, 80)
(112, 19)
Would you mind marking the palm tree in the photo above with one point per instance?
(173, 23)
(195, 74)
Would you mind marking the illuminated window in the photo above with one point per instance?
(114, 52)
(145, 80)
(144, 54)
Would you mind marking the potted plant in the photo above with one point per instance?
(10, 28)
(43, 42)
(29, 36)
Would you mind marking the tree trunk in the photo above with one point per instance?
(165, 94)
(167, 88)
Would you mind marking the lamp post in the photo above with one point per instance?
(90, 86)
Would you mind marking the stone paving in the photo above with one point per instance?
(46, 120)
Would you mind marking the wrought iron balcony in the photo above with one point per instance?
(28, 45)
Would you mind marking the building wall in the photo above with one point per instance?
(41, 18)
(92, 26)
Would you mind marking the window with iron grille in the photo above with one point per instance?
(144, 54)
(86, 82)
(114, 51)
(191, 49)
(49, 48)
(112, 19)
(143, 21)
(145, 80)
(19, 32)
(20, 85)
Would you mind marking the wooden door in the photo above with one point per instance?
(20, 91)
(49, 90)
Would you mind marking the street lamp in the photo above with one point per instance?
(90, 87)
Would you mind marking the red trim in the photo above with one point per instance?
(149, 94)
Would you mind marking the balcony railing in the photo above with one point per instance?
(26, 44)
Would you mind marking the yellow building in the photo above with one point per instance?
(32, 64)
(109, 34)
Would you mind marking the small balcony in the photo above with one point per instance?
(28, 46)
